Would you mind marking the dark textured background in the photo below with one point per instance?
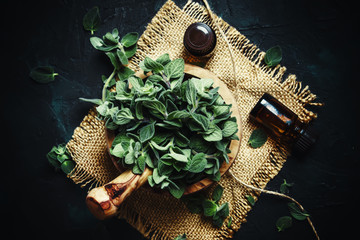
(319, 40)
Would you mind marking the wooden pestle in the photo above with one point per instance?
(104, 201)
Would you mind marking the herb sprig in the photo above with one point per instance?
(60, 158)
(198, 203)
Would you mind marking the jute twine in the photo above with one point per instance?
(159, 216)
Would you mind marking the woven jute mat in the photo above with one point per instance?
(160, 216)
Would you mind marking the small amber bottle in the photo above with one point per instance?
(199, 39)
(282, 123)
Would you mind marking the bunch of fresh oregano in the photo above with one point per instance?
(180, 127)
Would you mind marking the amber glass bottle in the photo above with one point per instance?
(282, 123)
(199, 39)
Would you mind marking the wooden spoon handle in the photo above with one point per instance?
(103, 202)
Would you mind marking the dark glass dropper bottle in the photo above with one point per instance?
(200, 39)
(282, 123)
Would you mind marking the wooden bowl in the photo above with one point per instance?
(225, 93)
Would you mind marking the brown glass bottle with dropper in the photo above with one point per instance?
(283, 124)
(200, 40)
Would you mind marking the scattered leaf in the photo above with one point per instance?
(250, 199)
(258, 138)
(43, 74)
(297, 213)
(283, 223)
(217, 193)
(284, 187)
(181, 237)
(91, 20)
(273, 56)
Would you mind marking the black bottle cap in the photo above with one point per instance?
(199, 39)
(305, 141)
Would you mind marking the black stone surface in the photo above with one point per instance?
(320, 45)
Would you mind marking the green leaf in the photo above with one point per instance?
(209, 207)
(119, 150)
(129, 39)
(178, 191)
(67, 166)
(130, 51)
(216, 135)
(250, 199)
(177, 156)
(94, 100)
(129, 157)
(178, 114)
(202, 86)
(297, 213)
(99, 44)
(141, 162)
(190, 94)
(91, 20)
(136, 82)
(155, 105)
(161, 148)
(201, 120)
(284, 187)
(273, 56)
(163, 59)
(217, 193)
(229, 222)
(152, 65)
(198, 144)
(109, 39)
(114, 60)
(181, 237)
(218, 221)
(283, 223)
(175, 68)
(124, 73)
(121, 55)
(123, 116)
(223, 210)
(139, 111)
(147, 132)
(258, 138)
(43, 74)
(229, 129)
(197, 163)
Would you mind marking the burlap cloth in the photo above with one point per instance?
(159, 216)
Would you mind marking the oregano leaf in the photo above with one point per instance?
(296, 212)
(152, 65)
(284, 187)
(147, 132)
(258, 138)
(229, 129)
(91, 20)
(217, 193)
(43, 74)
(250, 199)
(273, 56)
(175, 68)
(129, 39)
(209, 207)
(283, 223)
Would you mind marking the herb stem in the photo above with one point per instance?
(106, 84)
(166, 80)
